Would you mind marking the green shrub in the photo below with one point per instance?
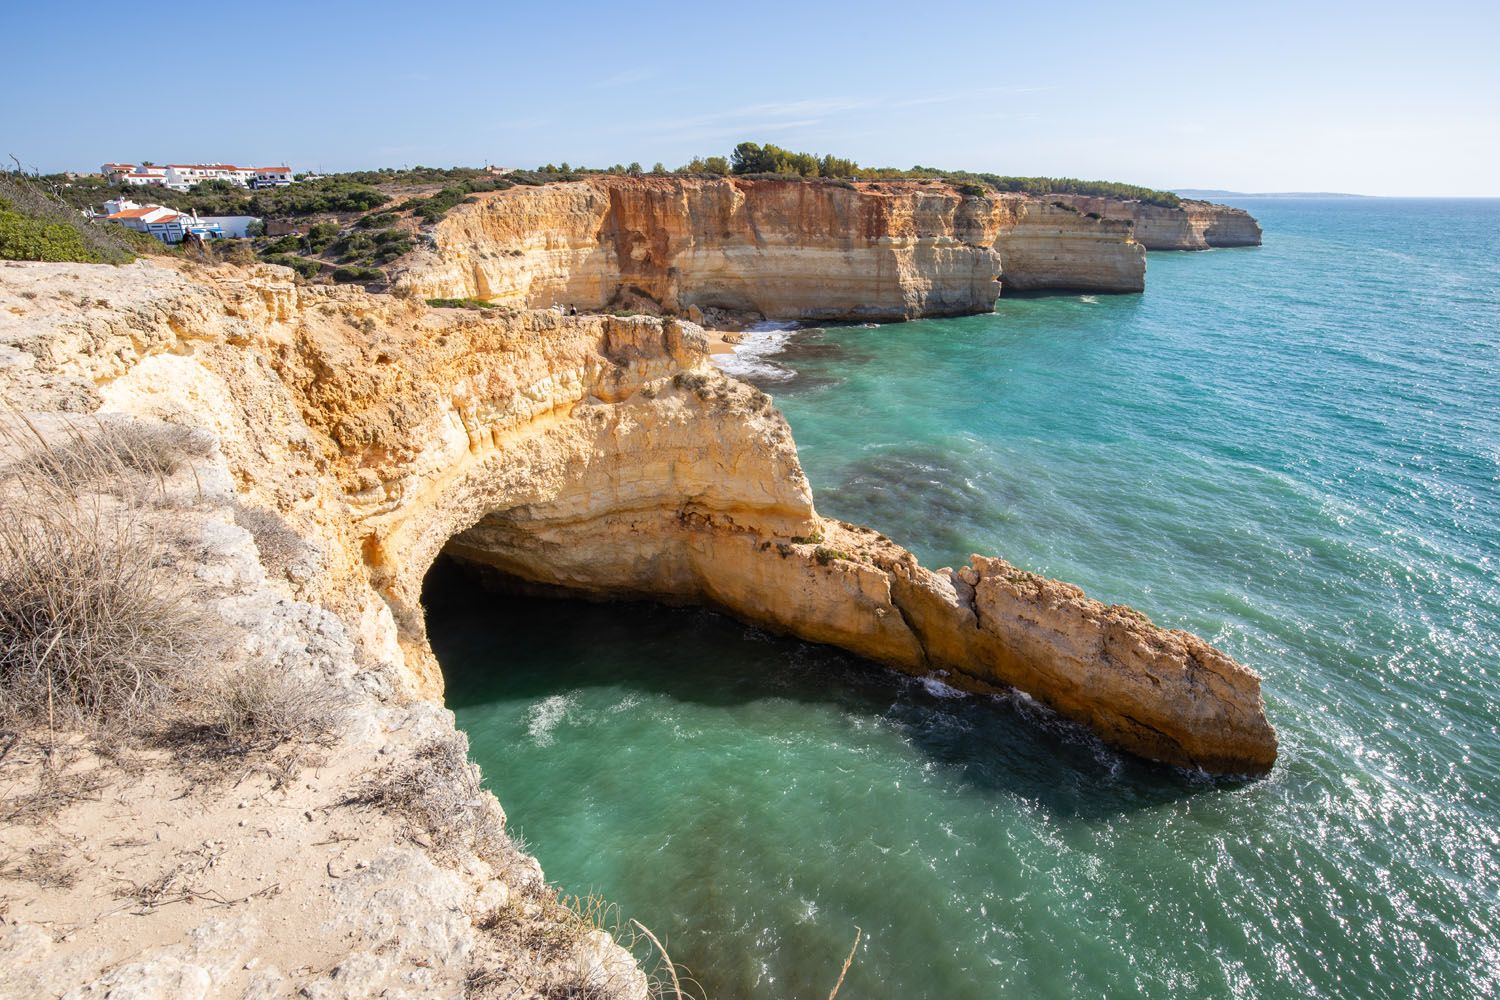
(303, 266)
(377, 220)
(328, 195)
(36, 226)
(372, 247)
(22, 238)
(461, 304)
(358, 275)
(320, 236)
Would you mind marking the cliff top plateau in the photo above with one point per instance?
(228, 770)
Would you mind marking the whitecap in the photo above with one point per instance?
(749, 358)
(543, 717)
(938, 689)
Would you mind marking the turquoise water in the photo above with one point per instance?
(1293, 450)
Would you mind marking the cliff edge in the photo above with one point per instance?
(596, 453)
(784, 249)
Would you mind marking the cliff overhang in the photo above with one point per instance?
(595, 453)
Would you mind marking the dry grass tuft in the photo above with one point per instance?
(553, 931)
(260, 706)
(94, 627)
(111, 455)
(437, 791)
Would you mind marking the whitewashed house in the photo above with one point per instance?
(182, 176)
(269, 177)
(132, 175)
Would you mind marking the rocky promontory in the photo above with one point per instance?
(793, 249)
(1191, 225)
(595, 453)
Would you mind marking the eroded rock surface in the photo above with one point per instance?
(785, 249)
(597, 453)
(1193, 225)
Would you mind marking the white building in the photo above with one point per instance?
(182, 176)
(130, 174)
(172, 226)
(268, 177)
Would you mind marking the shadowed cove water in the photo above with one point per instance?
(1292, 450)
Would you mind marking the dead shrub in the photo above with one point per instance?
(94, 628)
(437, 791)
(261, 705)
(56, 789)
(115, 453)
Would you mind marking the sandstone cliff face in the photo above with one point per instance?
(1045, 246)
(1194, 225)
(595, 453)
(602, 454)
(785, 249)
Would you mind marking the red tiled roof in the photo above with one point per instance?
(273, 170)
(136, 213)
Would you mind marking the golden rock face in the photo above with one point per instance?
(597, 453)
(786, 249)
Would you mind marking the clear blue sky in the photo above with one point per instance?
(1373, 98)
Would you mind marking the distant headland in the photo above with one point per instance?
(1205, 193)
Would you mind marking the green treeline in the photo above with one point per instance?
(753, 159)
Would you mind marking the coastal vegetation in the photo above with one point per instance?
(34, 225)
(347, 227)
(461, 304)
(97, 634)
(752, 159)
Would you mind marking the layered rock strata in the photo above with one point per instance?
(605, 454)
(1192, 225)
(785, 249)
(596, 453)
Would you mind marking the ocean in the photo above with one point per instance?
(1292, 450)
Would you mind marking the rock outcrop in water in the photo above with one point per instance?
(1193, 225)
(786, 249)
(599, 454)
(604, 454)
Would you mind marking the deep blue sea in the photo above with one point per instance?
(1293, 450)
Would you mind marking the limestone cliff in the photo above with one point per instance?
(1045, 245)
(602, 454)
(1193, 225)
(786, 249)
(596, 453)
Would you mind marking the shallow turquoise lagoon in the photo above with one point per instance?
(1293, 450)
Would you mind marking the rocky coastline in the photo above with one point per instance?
(595, 453)
(789, 249)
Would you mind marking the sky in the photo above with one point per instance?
(1371, 98)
